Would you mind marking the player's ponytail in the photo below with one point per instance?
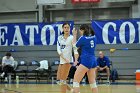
(92, 32)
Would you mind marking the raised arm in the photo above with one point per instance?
(76, 55)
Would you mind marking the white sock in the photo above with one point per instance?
(71, 80)
(6, 79)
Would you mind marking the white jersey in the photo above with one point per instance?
(9, 61)
(64, 47)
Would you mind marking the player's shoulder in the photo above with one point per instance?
(11, 57)
(60, 37)
(4, 57)
(82, 37)
(71, 36)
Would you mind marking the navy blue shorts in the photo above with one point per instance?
(88, 61)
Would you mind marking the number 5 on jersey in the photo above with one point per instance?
(92, 43)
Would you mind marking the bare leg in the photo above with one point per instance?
(59, 72)
(79, 74)
(64, 74)
(91, 77)
(96, 71)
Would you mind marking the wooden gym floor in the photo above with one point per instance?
(53, 88)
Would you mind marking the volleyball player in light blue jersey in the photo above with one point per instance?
(87, 43)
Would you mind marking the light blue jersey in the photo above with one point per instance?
(87, 45)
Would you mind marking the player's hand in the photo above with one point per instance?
(75, 63)
(74, 32)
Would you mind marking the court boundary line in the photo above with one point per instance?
(12, 90)
(28, 91)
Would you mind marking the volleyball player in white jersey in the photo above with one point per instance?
(65, 44)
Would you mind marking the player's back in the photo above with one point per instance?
(89, 44)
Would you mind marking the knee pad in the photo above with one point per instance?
(94, 85)
(76, 84)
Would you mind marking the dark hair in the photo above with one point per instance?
(66, 23)
(88, 31)
(8, 54)
(92, 32)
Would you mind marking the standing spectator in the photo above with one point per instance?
(103, 63)
(7, 65)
